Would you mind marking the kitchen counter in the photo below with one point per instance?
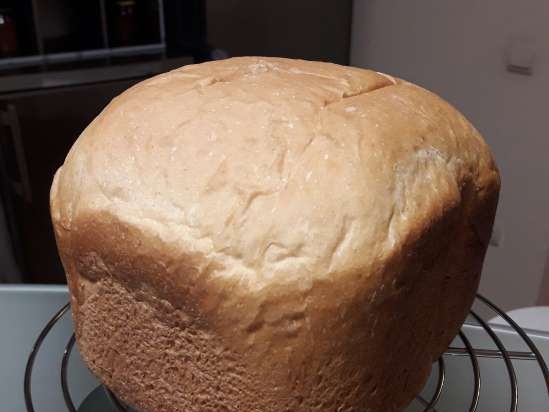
(64, 75)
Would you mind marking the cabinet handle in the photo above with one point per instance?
(11, 120)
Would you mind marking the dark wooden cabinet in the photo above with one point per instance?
(38, 129)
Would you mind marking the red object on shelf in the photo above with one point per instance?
(125, 22)
(8, 33)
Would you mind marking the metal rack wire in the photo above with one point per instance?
(429, 404)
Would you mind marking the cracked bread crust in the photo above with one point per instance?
(263, 234)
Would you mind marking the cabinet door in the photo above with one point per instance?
(11, 253)
(43, 126)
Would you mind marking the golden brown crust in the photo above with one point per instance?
(317, 230)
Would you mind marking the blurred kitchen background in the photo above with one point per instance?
(61, 62)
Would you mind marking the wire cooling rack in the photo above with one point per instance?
(429, 404)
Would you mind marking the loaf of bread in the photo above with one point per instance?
(268, 235)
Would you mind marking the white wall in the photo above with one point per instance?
(456, 49)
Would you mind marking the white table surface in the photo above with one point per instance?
(24, 311)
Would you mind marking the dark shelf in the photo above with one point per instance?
(68, 25)
(19, 15)
(132, 23)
